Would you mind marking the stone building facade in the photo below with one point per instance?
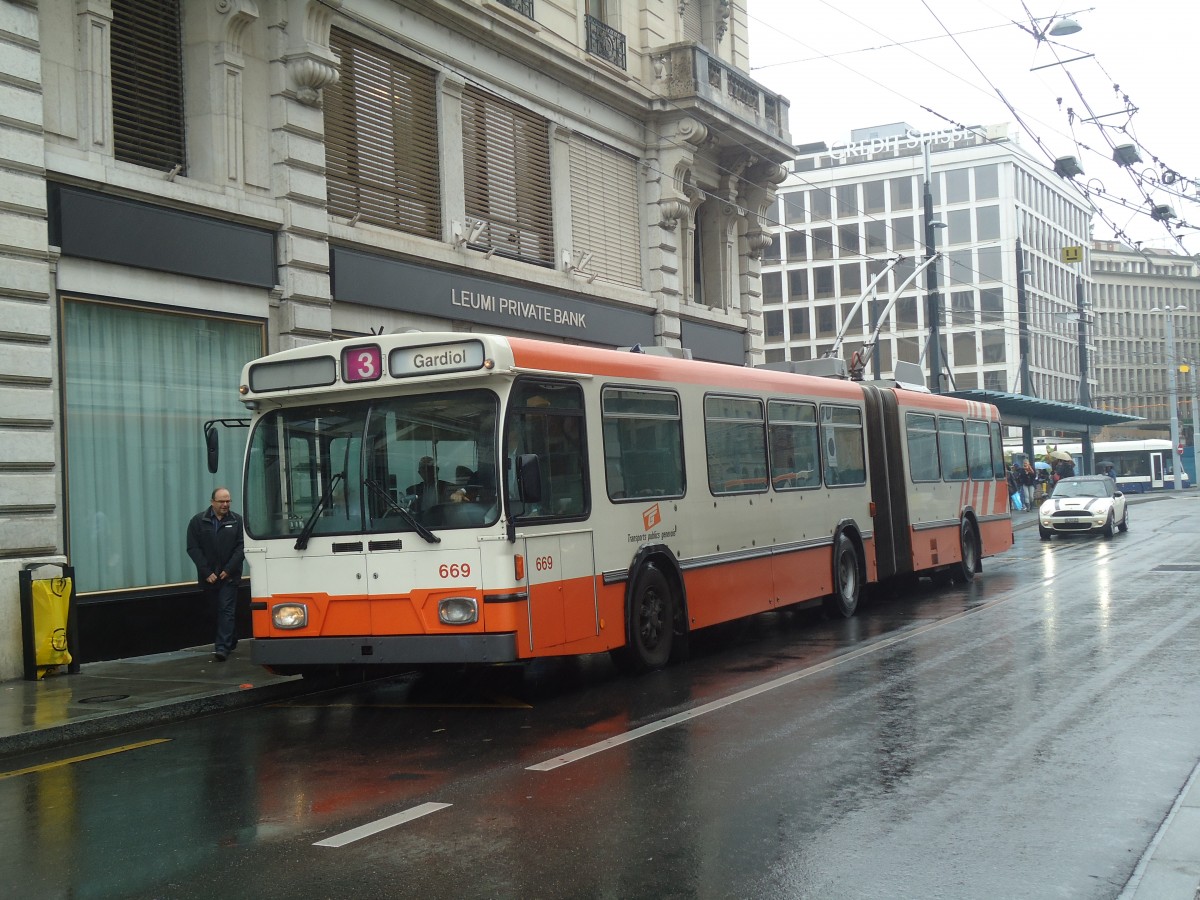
(188, 184)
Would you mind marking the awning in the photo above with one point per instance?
(1018, 410)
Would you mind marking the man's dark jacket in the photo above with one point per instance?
(215, 549)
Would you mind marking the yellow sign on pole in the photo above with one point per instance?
(1072, 254)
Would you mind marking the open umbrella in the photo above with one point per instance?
(1059, 454)
(1041, 465)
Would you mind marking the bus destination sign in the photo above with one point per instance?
(405, 362)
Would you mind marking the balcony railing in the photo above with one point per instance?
(524, 7)
(686, 72)
(604, 42)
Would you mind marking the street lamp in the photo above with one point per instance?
(1173, 389)
(1056, 26)
(1023, 346)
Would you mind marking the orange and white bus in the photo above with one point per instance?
(449, 498)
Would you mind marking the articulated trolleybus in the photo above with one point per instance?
(448, 498)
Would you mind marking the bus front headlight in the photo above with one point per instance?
(289, 615)
(458, 611)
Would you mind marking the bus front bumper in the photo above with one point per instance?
(408, 649)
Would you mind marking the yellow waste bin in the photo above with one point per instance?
(48, 621)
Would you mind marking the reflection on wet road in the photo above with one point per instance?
(1020, 736)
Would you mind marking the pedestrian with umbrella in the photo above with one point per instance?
(1064, 464)
(1028, 482)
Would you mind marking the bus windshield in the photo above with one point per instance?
(389, 465)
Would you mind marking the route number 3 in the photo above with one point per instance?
(362, 363)
(454, 570)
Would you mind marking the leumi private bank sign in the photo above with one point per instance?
(373, 280)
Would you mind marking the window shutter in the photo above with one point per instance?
(381, 142)
(506, 162)
(605, 211)
(692, 24)
(147, 83)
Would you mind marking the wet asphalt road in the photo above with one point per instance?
(1022, 736)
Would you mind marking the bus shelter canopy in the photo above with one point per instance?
(1019, 410)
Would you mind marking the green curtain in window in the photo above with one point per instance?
(138, 387)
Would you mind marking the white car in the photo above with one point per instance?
(1083, 503)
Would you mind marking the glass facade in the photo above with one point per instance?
(866, 208)
(138, 386)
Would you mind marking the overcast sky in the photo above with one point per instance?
(845, 65)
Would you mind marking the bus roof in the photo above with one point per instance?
(334, 368)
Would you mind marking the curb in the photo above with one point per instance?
(160, 713)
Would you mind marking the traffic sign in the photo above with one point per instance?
(1072, 254)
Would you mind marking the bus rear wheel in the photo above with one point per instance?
(969, 561)
(650, 623)
(847, 581)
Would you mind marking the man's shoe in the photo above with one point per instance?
(220, 657)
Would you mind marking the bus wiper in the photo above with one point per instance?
(311, 524)
(408, 517)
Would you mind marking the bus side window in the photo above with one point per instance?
(921, 431)
(734, 430)
(643, 443)
(546, 419)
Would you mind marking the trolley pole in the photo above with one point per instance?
(933, 309)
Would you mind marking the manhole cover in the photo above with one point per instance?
(104, 698)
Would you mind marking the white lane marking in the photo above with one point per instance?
(362, 831)
(616, 741)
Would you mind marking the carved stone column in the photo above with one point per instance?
(31, 514)
(671, 196)
(93, 29)
(759, 181)
(302, 64)
(214, 104)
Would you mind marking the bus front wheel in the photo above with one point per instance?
(650, 622)
(847, 581)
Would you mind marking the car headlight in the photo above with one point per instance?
(458, 611)
(289, 615)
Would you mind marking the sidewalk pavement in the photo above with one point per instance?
(107, 698)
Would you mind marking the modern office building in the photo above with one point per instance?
(847, 210)
(1142, 299)
(187, 185)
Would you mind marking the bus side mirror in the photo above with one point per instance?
(529, 478)
(212, 444)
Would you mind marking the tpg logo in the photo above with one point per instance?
(651, 517)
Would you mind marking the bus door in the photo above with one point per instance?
(1157, 470)
(560, 576)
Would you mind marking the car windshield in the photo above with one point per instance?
(1069, 487)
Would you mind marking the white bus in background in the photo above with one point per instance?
(1141, 466)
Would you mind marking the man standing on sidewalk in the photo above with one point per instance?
(214, 542)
